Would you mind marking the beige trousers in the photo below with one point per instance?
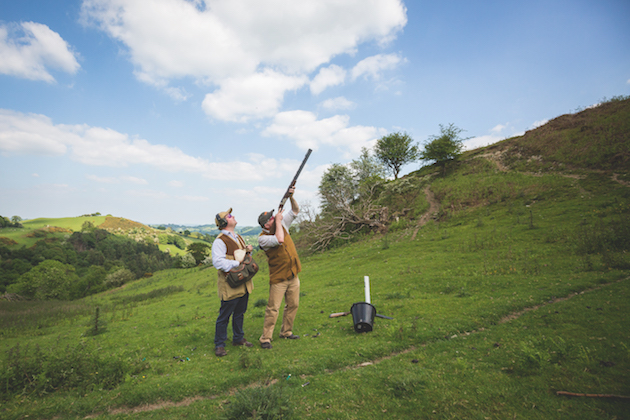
(290, 290)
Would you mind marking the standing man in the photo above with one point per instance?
(233, 300)
(284, 266)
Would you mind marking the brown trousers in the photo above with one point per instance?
(290, 290)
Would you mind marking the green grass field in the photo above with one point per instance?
(517, 295)
(494, 312)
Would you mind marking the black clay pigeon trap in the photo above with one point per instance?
(363, 313)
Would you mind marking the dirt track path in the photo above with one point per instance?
(434, 206)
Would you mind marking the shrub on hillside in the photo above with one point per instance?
(51, 279)
(118, 278)
(80, 367)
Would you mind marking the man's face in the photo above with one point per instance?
(231, 220)
(270, 223)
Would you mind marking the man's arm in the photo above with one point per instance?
(294, 205)
(279, 230)
(219, 260)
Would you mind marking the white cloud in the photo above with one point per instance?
(539, 123)
(176, 184)
(372, 67)
(117, 180)
(33, 134)
(338, 103)
(328, 76)
(30, 134)
(230, 43)
(259, 95)
(102, 179)
(481, 141)
(27, 50)
(498, 128)
(497, 133)
(134, 180)
(307, 131)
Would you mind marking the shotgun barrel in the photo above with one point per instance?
(292, 184)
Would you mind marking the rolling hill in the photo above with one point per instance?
(507, 281)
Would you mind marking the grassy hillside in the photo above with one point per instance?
(516, 289)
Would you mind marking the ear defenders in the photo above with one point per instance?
(221, 222)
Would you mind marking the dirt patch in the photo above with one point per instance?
(434, 206)
(615, 177)
(496, 158)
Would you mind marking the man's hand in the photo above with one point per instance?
(249, 248)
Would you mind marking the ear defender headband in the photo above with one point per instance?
(222, 223)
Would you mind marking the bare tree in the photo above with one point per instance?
(349, 205)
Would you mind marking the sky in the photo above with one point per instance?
(170, 111)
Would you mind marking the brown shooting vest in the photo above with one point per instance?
(284, 263)
(225, 291)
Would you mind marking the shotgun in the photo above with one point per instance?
(292, 184)
(338, 314)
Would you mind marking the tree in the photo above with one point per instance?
(367, 167)
(396, 150)
(87, 226)
(444, 148)
(16, 219)
(49, 280)
(199, 251)
(349, 196)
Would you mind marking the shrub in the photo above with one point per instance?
(118, 278)
(80, 367)
(265, 403)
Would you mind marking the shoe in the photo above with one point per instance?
(266, 345)
(220, 351)
(292, 337)
(243, 342)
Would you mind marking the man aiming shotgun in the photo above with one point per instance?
(284, 265)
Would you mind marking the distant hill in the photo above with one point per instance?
(208, 229)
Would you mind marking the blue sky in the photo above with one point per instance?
(169, 111)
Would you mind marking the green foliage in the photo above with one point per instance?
(13, 222)
(264, 403)
(118, 278)
(97, 324)
(92, 254)
(445, 147)
(87, 226)
(49, 280)
(491, 317)
(41, 372)
(166, 239)
(247, 360)
(199, 251)
(260, 303)
(396, 150)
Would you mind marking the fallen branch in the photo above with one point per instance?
(573, 394)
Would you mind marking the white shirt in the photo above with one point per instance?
(219, 252)
(270, 241)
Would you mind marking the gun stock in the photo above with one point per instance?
(293, 182)
(338, 314)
